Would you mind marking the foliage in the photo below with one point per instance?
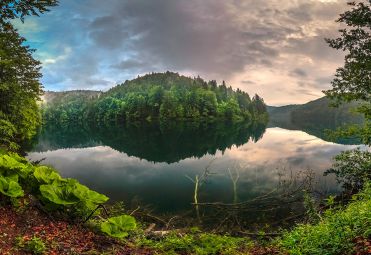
(20, 87)
(352, 81)
(18, 175)
(352, 168)
(35, 245)
(335, 233)
(46, 175)
(311, 209)
(11, 9)
(9, 186)
(119, 226)
(162, 96)
(198, 243)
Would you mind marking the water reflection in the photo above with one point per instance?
(155, 142)
(153, 165)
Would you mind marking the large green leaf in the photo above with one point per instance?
(59, 192)
(88, 195)
(9, 186)
(119, 226)
(46, 175)
(13, 163)
(70, 191)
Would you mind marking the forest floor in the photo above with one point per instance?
(61, 237)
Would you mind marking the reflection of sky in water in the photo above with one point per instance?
(166, 187)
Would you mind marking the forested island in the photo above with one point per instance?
(156, 96)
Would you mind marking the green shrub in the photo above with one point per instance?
(335, 233)
(119, 226)
(352, 168)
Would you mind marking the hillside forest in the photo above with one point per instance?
(156, 96)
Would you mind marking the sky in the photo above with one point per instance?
(274, 48)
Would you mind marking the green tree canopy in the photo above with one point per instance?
(20, 87)
(353, 80)
(11, 9)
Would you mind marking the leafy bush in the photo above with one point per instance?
(336, 231)
(118, 226)
(352, 168)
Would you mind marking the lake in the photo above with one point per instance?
(248, 176)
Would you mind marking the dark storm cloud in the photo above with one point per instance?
(111, 41)
(299, 72)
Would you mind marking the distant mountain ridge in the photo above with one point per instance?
(51, 97)
(314, 117)
(316, 110)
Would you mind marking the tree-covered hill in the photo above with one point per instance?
(317, 111)
(157, 96)
(315, 117)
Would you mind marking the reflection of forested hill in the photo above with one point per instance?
(152, 141)
(314, 117)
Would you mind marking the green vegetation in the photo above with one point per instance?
(197, 243)
(163, 96)
(35, 245)
(20, 87)
(352, 81)
(18, 177)
(335, 233)
(118, 226)
(352, 168)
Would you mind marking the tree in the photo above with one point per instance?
(353, 80)
(11, 9)
(20, 87)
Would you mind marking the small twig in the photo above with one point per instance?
(91, 214)
(36, 162)
(135, 210)
(168, 223)
(150, 228)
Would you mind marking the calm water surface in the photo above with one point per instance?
(155, 165)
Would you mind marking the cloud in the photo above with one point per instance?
(217, 39)
(299, 72)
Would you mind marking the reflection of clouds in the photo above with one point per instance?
(281, 144)
(260, 164)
